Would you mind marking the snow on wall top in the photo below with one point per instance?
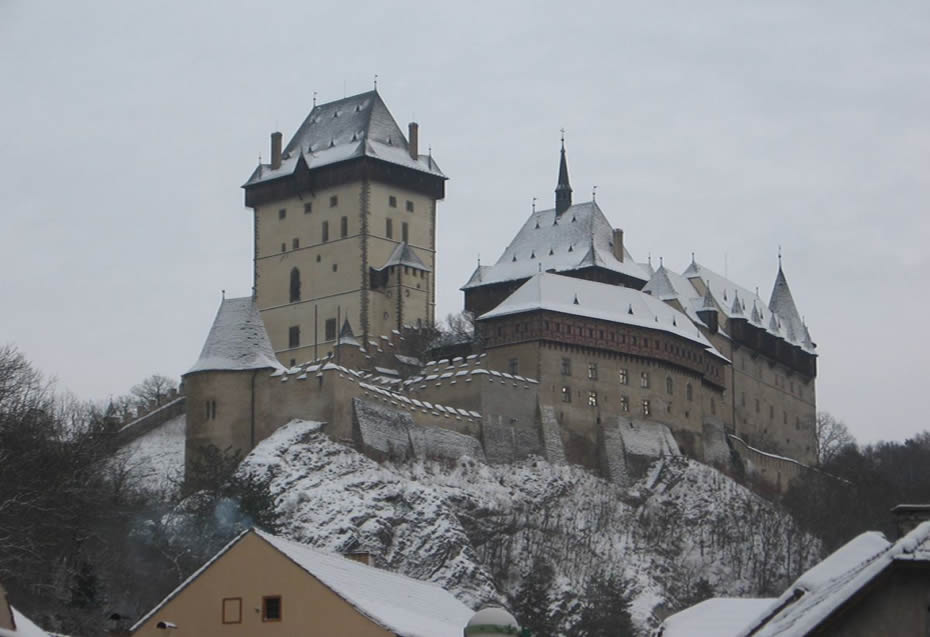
(821, 590)
(580, 237)
(401, 604)
(738, 302)
(356, 126)
(715, 617)
(237, 340)
(581, 297)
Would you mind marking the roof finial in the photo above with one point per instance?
(692, 256)
(376, 81)
(479, 259)
(314, 99)
(534, 204)
(430, 155)
(563, 191)
(594, 193)
(661, 262)
(224, 294)
(649, 259)
(779, 257)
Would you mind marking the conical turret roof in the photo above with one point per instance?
(237, 340)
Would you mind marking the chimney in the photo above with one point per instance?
(908, 516)
(414, 140)
(275, 150)
(618, 244)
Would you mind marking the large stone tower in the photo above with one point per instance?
(345, 229)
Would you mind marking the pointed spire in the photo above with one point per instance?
(755, 317)
(737, 308)
(563, 191)
(708, 300)
(782, 303)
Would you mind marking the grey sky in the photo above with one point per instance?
(726, 128)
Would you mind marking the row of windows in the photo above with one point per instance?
(593, 400)
(293, 333)
(334, 201)
(271, 609)
(344, 232)
(623, 375)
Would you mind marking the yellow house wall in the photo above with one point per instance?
(251, 570)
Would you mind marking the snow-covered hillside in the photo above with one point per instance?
(155, 460)
(477, 529)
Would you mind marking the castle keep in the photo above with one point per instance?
(581, 354)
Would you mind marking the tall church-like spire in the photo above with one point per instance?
(563, 191)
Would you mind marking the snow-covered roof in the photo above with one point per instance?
(237, 340)
(715, 617)
(356, 126)
(667, 285)
(405, 606)
(580, 297)
(580, 237)
(404, 255)
(823, 589)
(24, 627)
(779, 317)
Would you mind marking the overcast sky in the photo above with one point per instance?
(723, 128)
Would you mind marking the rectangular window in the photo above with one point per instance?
(389, 228)
(282, 213)
(624, 403)
(392, 201)
(624, 377)
(405, 232)
(232, 610)
(330, 329)
(592, 371)
(295, 243)
(566, 394)
(271, 608)
(325, 232)
(644, 379)
(409, 206)
(757, 405)
(513, 366)
(283, 247)
(344, 227)
(308, 208)
(333, 201)
(566, 367)
(293, 336)
(646, 410)
(592, 399)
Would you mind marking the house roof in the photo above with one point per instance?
(405, 606)
(356, 126)
(237, 340)
(826, 587)
(715, 617)
(580, 237)
(580, 297)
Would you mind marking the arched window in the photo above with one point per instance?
(669, 387)
(295, 285)
(690, 392)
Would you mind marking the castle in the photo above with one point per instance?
(581, 354)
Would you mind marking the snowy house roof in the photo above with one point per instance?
(237, 340)
(580, 297)
(405, 606)
(356, 126)
(578, 238)
(24, 627)
(402, 605)
(715, 617)
(826, 587)
(404, 255)
(724, 293)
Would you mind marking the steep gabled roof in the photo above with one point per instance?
(404, 606)
(580, 297)
(237, 340)
(356, 126)
(580, 237)
(782, 304)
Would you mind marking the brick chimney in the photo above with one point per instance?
(414, 139)
(275, 150)
(908, 516)
(618, 244)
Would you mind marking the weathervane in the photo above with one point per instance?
(563, 138)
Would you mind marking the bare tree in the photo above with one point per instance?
(154, 390)
(832, 437)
